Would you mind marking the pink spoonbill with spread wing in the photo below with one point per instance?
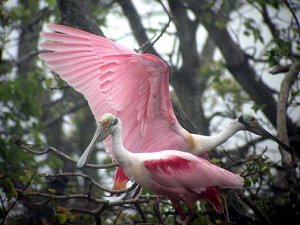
(180, 176)
(132, 86)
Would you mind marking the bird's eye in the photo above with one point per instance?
(114, 122)
(241, 119)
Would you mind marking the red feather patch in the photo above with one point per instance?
(120, 179)
(212, 194)
(168, 166)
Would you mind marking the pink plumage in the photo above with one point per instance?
(115, 79)
(112, 78)
(135, 87)
(185, 177)
(178, 175)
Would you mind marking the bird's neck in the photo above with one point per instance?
(120, 153)
(207, 143)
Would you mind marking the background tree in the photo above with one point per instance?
(225, 58)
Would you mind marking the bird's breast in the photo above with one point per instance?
(135, 171)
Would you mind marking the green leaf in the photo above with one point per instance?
(48, 82)
(257, 107)
(7, 185)
(220, 24)
(51, 190)
(265, 169)
(62, 218)
(247, 182)
(51, 3)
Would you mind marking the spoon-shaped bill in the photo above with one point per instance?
(267, 134)
(251, 124)
(100, 135)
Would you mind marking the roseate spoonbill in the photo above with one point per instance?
(133, 86)
(181, 176)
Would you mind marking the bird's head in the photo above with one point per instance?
(252, 124)
(105, 126)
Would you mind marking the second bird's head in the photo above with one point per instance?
(106, 126)
(251, 124)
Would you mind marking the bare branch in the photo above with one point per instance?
(159, 36)
(252, 206)
(141, 212)
(156, 211)
(135, 23)
(280, 69)
(47, 149)
(286, 84)
(163, 30)
(92, 181)
(82, 196)
(293, 12)
(66, 112)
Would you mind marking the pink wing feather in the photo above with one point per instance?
(182, 170)
(114, 79)
(181, 175)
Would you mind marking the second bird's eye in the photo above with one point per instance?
(114, 122)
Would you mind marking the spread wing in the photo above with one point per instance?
(114, 79)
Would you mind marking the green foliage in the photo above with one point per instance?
(251, 28)
(63, 215)
(7, 186)
(26, 177)
(257, 107)
(220, 23)
(256, 167)
(225, 87)
(51, 3)
(48, 82)
(278, 52)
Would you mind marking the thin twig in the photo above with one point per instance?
(12, 205)
(47, 149)
(141, 212)
(157, 211)
(81, 196)
(85, 176)
(163, 30)
(293, 13)
(252, 206)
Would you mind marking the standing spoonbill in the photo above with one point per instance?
(132, 86)
(178, 175)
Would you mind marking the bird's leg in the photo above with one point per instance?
(137, 191)
(178, 208)
(192, 212)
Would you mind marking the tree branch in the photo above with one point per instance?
(285, 87)
(82, 196)
(252, 206)
(280, 69)
(76, 14)
(293, 13)
(46, 149)
(136, 25)
(238, 64)
(92, 181)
